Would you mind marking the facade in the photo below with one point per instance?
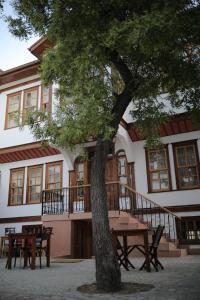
(169, 177)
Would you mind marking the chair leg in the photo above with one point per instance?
(40, 255)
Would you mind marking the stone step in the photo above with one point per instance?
(172, 253)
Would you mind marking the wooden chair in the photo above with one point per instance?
(41, 243)
(122, 254)
(153, 249)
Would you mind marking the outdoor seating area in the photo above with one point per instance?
(32, 242)
(123, 249)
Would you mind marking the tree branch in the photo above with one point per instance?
(121, 67)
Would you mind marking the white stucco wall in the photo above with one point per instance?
(25, 210)
(17, 136)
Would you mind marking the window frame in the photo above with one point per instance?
(180, 233)
(49, 105)
(24, 99)
(50, 164)
(181, 144)
(28, 186)
(149, 172)
(10, 182)
(7, 106)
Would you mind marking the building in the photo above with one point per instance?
(144, 187)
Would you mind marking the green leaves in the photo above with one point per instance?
(156, 47)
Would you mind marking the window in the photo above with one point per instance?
(54, 176)
(46, 98)
(9, 230)
(34, 184)
(79, 178)
(16, 188)
(158, 170)
(13, 110)
(122, 170)
(190, 229)
(186, 163)
(30, 100)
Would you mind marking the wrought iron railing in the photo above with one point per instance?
(120, 197)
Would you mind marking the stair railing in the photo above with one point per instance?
(149, 212)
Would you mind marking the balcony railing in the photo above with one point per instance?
(76, 199)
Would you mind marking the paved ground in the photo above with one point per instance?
(180, 280)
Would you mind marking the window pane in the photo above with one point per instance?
(155, 185)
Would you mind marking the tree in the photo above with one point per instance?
(149, 47)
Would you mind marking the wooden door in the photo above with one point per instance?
(82, 246)
(79, 191)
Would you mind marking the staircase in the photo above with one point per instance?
(150, 214)
(134, 209)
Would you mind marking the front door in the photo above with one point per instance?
(82, 246)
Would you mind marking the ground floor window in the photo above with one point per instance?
(190, 229)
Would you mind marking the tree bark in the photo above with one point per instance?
(108, 276)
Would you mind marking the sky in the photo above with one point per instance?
(13, 51)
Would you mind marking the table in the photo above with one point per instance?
(133, 232)
(26, 237)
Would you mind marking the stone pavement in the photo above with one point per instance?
(180, 280)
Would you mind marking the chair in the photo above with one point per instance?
(152, 251)
(40, 246)
(5, 242)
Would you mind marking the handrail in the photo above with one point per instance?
(154, 203)
(79, 186)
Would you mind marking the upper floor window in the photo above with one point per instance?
(122, 170)
(158, 170)
(46, 98)
(34, 186)
(16, 189)
(30, 100)
(54, 176)
(13, 110)
(187, 165)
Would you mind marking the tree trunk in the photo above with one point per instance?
(108, 276)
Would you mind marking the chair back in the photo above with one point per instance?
(46, 232)
(157, 236)
(35, 229)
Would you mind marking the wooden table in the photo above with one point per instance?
(125, 233)
(24, 237)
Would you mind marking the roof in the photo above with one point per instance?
(24, 152)
(179, 123)
(40, 46)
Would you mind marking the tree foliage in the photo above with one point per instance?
(152, 45)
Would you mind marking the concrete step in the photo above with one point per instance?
(172, 253)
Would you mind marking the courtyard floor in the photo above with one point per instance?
(180, 280)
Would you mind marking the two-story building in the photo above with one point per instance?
(143, 186)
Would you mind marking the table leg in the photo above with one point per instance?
(10, 251)
(125, 251)
(48, 252)
(146, 246)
